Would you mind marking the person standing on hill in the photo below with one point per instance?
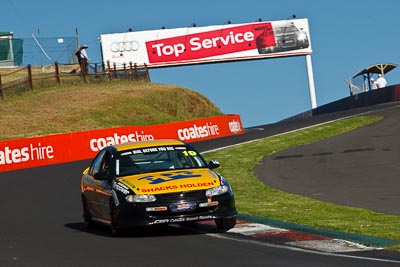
(373, 83)
(83, 58)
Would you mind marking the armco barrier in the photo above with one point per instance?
(374, 97)
(61, 148)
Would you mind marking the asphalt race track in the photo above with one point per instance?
(41, 221)
(359, 169)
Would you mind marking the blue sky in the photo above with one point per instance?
(346, 36)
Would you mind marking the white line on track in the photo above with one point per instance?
(255, 242)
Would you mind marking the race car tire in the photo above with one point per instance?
(225, 223)
(87, 218)
(115, 231)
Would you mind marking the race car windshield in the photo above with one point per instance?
(152, 159)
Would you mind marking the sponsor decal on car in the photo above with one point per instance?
(166, 177)
(179, 187)
(183, 207)
(120, 187)
(187, 219)
(174, 181)
(129, 184)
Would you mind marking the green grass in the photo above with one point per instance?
(256, 199)
(72, 108)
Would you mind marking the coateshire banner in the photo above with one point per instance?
(61, 148)
(193, 45)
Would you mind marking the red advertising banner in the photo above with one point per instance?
(61, 148)
(210, 43)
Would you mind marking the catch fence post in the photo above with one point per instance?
(108, 70)
(135, 72)
(57, 72)
(147, 72)
(30, 83)
(1, 88)
(130, 71)
(124, 70)
(115, 71)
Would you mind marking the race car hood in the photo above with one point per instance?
(171, 181)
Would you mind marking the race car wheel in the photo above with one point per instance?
(115, 231)
(225, 223)
(87, 218)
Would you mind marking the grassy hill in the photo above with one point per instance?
(95, 106)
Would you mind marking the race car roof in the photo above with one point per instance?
(135, 145)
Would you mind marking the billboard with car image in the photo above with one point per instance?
(209, 44)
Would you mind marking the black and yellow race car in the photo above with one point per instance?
(154, 182)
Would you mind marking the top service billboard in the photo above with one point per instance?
(194, 45)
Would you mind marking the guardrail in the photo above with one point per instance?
(379, 96)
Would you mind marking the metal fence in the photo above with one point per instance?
(39, 51)
(16, 81)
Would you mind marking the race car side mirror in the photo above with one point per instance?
(213, 164)
(102, 175)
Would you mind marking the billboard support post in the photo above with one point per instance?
(311, 82)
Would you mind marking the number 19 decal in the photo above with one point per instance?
(189, 153)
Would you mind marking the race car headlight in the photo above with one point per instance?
(216, 191)
(140, 198)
